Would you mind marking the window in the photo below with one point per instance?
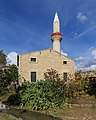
(33, 59)
(64, 62)
(65, 76)
(33, 76)
(18, 60)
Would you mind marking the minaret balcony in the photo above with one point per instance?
(56, 36)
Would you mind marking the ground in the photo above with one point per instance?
(4, 116)
(84, 108)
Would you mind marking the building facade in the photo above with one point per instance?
(33, 65)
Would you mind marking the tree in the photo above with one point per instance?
(2, 58)
(12, 73)
(7, 77)
(52, 74)
(2, 82)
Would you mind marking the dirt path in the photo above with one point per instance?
(83, 109)
(31, 115)
(4, 116)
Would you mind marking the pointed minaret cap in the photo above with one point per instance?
(56, 17)
(56, 36)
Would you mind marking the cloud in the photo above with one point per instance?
(64, 53)
(76, 34)
(12, 58)
(85, 64)
(91, 48)
(92, 67)
(84, 32)
(94, 53)
(80, 58)
(81, 17)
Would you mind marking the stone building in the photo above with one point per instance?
(33, 65)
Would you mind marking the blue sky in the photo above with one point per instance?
(26, 25)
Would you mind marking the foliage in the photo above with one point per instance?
(2, 58)
(92, 85)
(12, 74)
(78, 86)
(52, 92)
(3, 82)
(43, 95)
(52, 74)
(13, 99)
(88, 82)
(8, 77)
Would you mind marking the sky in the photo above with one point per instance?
(26, 26)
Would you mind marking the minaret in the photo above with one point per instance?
(56, 37)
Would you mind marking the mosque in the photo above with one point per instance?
(33, 65)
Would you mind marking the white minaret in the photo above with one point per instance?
(56, 37)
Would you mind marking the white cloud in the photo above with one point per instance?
(12, 58)
(64, 53)
(84, 32)
(94, 53)
(81, 17)
(86, 64)
(91, 48)
(80, 58)
(92, 67)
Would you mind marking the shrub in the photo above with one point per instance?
(43, 95)
(78, 86)
(8, 78)
(92, 86)
(13, 99)
(75, 88)
(52, 74)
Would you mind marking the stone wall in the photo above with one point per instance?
(45, 59)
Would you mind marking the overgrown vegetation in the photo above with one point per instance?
(3, 59)
(48, 94)
(8, 78)
(78, 86)
(52, 92)
(83, 84)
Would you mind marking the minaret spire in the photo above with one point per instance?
(56, 18)
(56, 24)
(56, 37)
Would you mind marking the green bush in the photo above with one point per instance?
(8, 79)
(13, 100)
(92, 86)
(43, 95)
